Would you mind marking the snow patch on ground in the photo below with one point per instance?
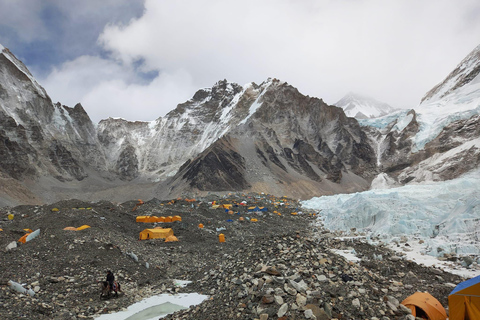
(156, 307)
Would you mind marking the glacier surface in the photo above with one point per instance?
(444, 215)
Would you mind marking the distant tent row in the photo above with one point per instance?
(150, 219)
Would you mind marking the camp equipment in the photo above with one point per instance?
(221, 237)
(424, 305)
(464, 300)
(200, 225)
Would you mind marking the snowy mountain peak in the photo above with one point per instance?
(363, 107)
(464, 73)
(22, 68)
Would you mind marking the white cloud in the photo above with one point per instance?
(394, 51)
(110, 89)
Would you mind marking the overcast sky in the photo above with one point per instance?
(138, 59)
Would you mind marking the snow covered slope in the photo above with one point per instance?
(362, 107)
(440, 138)
(445, 216)
(159, 148)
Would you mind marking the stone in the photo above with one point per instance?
(404, 309)
(356, 303)
(301, 300)
(278, 300)
(391, 306)
(299, 286)
(267, 299)
(322, 278)
(290, 290)
(394, 301)
(264, 316)
(11, 245)
(328, 309)
(309, 314)
(282, 310)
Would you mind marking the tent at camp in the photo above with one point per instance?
(464, 300)
(156, 233)
(424, 305)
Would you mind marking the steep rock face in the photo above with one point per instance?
(286, 137)
(42, 138)
(219, 168)
(455, 151)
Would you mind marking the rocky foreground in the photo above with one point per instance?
(279, 267)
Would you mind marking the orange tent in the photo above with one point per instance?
(424, 305)
(464, 300)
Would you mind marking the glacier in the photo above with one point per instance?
(443, 216)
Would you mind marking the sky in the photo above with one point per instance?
(138, 59)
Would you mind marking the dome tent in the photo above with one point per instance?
(464, 300)
(424, 305)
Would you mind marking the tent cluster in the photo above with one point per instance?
(463, 303)
(152, 219)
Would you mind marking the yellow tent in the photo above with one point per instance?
(464, 300)
(151, 219)
(176, 218)
(70, 228)
(83, 227)
(157, 233)
(424, 305)
(228, 206)
(141, 218)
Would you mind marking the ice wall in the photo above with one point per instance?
(446, 215)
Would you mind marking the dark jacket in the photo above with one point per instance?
(110, 278)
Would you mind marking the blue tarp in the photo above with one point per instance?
(466, 284)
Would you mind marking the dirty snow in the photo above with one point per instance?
(156, 307)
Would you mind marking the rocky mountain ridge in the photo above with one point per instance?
(262, 138)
